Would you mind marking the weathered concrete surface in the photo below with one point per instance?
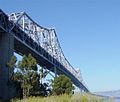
(6, 51)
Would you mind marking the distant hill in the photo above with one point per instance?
(109, 93)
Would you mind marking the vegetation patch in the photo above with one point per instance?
(82, 97)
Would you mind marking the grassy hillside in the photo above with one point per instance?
(66, 98)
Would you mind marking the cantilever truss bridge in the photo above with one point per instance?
(20, 34)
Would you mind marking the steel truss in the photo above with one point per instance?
(43, 37)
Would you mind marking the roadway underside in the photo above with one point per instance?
(23, 49)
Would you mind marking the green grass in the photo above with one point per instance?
(83, 97)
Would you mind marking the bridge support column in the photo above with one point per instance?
(6, 52)
(55, 71)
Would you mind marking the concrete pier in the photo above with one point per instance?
(6, 52)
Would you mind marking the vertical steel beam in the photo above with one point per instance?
(55, 71)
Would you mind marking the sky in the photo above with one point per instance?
(88, 32)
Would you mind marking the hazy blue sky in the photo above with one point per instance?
(88, 31)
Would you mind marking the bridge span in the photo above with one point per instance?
(20, 34)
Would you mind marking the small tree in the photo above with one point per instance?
(26, 73)
(62, 84)
(27, 79)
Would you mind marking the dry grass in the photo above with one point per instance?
(83, 97)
